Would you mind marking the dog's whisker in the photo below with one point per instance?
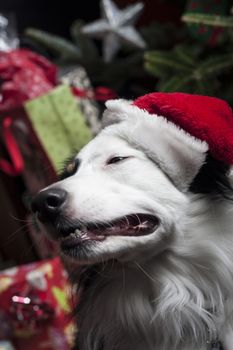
(29, 249)
(139, 221)
(123, 278)
(107, 224)
(13, 235)
(127, 220)
(144, 271)
(97, 225)
(19, 219)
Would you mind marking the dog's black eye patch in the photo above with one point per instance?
(117, 159)
(70, 168)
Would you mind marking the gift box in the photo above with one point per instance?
(59, 124)
(35, 298)
(24, 76)
(41, 123)
(77, 78)
(42, 134)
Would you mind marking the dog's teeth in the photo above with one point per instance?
(78, 232)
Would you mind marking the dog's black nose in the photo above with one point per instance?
(48, 203)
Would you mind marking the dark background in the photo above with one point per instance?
(56, 16)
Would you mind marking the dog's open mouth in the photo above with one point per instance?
(129, 225)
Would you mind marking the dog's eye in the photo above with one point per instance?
(114, 160)
(70, 169)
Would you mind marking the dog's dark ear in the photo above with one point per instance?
(176, 152)
(214, 177)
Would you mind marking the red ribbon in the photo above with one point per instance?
(16, 166)
(98, 94)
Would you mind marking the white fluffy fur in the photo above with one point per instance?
(172, 289)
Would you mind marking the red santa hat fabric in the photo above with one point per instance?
(175, 130)
(207, 118)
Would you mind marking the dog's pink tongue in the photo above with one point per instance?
(115, 231)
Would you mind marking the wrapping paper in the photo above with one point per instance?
(24, 75)
(59, 124)
(44, 322)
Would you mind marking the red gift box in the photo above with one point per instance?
(24, 75)
(35, 298)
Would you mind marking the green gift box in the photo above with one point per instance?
(59, 124)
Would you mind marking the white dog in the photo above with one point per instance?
(144, 209)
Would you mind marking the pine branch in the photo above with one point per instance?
(214, 66)
(63, 48)
(155, 70)
(185, 55)
(176, 83)
(209, 20)
(86, 45)
(164, 61)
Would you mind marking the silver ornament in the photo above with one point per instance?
(116, 27)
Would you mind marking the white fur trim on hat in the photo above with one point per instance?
(176, 152)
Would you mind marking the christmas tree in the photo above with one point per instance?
(195, 57)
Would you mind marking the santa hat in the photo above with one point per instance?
(175, 130)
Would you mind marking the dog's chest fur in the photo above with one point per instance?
(132, 307)
(117, 309)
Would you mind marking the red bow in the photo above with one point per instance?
(24, 75)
